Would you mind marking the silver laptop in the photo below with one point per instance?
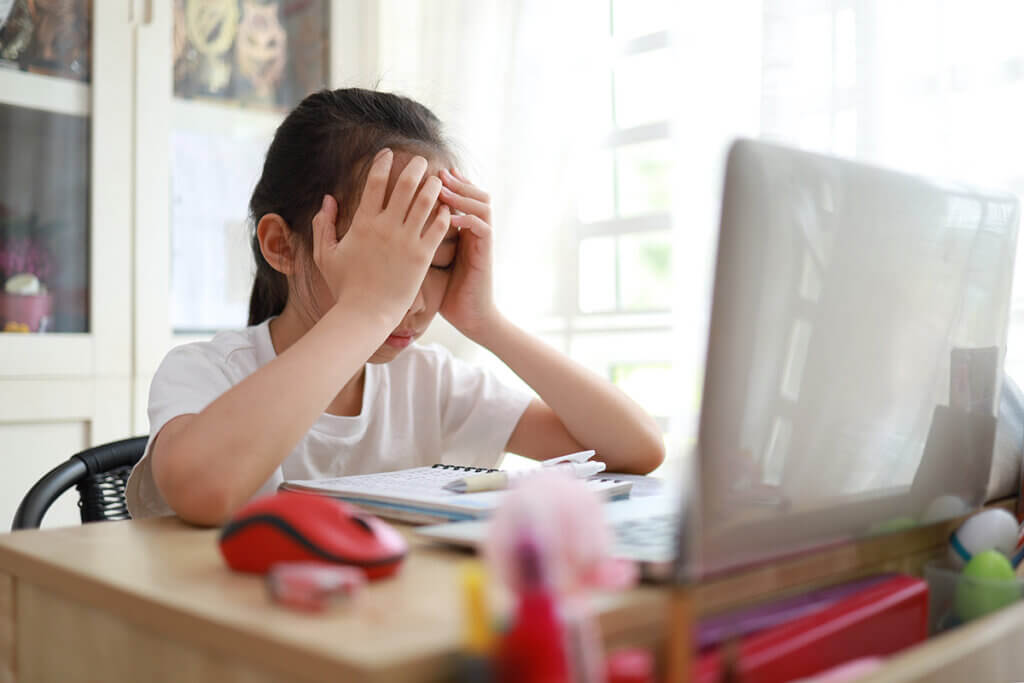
(854, 363)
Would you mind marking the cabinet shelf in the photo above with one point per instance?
(28, 356)
(46, 93)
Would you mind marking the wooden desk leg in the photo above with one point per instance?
(679, 643)
(8, 646)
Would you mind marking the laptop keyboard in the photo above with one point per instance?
(650, 539)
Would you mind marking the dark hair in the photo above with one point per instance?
(325, 146)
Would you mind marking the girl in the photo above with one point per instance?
(363, 231)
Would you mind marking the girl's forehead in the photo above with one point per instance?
(402, 158)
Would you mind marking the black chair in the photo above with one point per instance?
(98, 473)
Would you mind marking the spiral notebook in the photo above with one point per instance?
(417, 495)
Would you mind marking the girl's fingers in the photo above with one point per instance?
(438, 228)
(325, 233)
(405, 188)
(473, 223)
(465, 204)
(455, 181)
(423, 205)
(377, 182)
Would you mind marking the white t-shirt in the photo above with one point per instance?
(424, 407)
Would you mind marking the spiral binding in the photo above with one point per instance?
(467, 468)
(463, 468)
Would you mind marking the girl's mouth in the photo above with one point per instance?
(400, 340)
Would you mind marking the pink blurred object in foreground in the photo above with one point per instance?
(567, 521)
(549, 543)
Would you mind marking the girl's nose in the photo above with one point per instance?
(419, 304)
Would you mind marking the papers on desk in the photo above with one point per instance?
(417, 495)
(643, 484)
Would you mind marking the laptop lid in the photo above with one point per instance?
(857, 335)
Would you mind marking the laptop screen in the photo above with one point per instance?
(857, 336)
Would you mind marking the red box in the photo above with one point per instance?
(880, 620)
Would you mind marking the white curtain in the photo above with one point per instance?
(525, 88)
(514, 82)
(717, 100)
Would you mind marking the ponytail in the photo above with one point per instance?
(269, 289)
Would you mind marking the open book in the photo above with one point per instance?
(417, 495)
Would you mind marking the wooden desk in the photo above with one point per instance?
(153, 600)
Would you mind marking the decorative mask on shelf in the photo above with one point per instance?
(261, 50)
(211, 26)
(180, 40)
(61, 41)
(16, 30)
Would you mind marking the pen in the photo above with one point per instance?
(493, 481)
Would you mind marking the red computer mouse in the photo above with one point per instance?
(298, 527)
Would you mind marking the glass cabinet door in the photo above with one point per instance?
(66, 137)
(45, 75)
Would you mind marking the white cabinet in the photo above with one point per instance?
(65, 216)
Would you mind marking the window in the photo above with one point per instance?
(841, 76)
(617, 317)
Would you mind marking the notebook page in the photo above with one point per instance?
(424, 487)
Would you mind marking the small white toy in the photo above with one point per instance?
(993, 529)
(23, 283)
(944, 507)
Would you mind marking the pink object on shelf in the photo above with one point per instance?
(25, 309)
(632, 665)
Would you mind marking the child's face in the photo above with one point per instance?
(428, 299)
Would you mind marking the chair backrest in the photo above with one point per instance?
(99, 473)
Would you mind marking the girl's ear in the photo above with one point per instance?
(276, 243)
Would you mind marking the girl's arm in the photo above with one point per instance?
(208, 464)
(577, 409)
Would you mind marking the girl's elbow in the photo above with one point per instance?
(208, 506)
(643, 458)
(207, 512)
(194, 501)
(653, 452)
(653, 457)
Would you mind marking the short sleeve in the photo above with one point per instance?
(189, 379)
(478, 413)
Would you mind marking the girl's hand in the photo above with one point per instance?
(469, 301)
(381, 261)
